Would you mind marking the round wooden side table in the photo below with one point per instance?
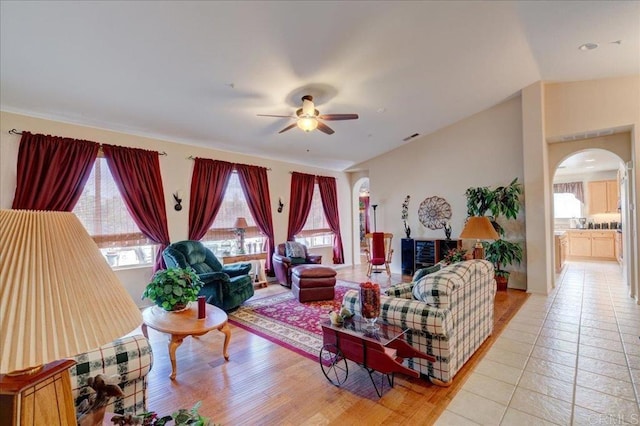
(186, 323)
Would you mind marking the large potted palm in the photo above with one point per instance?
(494, 203)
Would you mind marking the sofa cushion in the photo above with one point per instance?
(436, 289)
(294, 249)
(426, 271)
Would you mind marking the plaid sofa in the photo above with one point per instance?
(448, 314)
(126, 361)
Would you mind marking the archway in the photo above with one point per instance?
(360, 196)
(618, 147)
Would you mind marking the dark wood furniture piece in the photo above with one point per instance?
(382, 350)
(421, 253)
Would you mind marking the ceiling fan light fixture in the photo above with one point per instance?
(307, 123)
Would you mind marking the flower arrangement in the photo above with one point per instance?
(405, 215)
(454, 256)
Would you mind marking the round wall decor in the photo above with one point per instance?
(434, 212)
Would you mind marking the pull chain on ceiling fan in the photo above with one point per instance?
(308, 118)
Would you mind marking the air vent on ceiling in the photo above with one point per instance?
(415, 135)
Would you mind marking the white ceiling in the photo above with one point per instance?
(166, 69)
(587, 162)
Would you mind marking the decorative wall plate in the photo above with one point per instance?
(434, 212)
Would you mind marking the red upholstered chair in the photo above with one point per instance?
(379, 250)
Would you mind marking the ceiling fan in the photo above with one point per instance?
(308, 117)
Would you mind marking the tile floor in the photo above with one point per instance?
(570, 358)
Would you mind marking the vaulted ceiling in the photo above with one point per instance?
(199, 72)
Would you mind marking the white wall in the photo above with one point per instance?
(176, 172)
(482, 150)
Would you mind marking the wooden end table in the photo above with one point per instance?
(185, 323)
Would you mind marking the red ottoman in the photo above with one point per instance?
(313, 282)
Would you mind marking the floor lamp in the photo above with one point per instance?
(374, 207)
(478, 228)
(58, 298)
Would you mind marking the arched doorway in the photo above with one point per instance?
(361, 217)
(614, 154)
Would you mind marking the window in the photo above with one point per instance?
(566, 206)
(221, 238)
(316, 231)
(103, 213)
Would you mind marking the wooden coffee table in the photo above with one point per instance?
(185, 323)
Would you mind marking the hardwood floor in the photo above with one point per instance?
(264, 383)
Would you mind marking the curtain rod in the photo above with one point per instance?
(191, 157)
(17, 132)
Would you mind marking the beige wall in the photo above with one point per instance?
(551, 111)
(588, 106)
(176, 175)
(482, 150)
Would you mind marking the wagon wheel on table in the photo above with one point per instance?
(333, 364)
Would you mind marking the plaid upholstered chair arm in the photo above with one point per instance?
(406, 313)
(127, 361)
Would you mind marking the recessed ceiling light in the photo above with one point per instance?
(589, 160)
(589, 46)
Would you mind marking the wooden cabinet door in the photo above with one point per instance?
(603, 247)
(597, 201)
(579, 244)
(612, 196)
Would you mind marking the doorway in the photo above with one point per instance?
(614, 153)
(361, 219)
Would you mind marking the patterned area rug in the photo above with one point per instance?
(283, 320)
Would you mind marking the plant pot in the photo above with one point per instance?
(501, 282)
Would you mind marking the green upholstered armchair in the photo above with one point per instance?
(226, 287)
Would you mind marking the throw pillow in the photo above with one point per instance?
(297, 260)
(425, 271)
(294, 249)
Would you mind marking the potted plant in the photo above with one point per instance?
(502, 201)
(502, 253)
(173, 288)
(454, 256)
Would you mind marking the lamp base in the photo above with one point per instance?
(40, 399)
(478, 251)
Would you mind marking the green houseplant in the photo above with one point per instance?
(494, 203)
(172, 289)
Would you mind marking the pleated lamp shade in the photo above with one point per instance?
(58, 295)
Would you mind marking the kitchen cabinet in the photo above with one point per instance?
(561, 247)
(592, 244)
(580, 243)
(603, 196)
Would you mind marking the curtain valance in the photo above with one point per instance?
(575, 188)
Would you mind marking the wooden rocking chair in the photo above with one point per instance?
(378, 251)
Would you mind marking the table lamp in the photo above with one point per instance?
(478, 228)
(239, 226)
(58, 298)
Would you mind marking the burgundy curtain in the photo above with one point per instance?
(329, 195)
(52, 171)
(209, 180)
(137, 174)
(299, 202)
(256, 190)
(367, 222)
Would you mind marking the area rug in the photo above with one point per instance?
(283, 320)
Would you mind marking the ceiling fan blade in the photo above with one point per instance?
(334, 117)
(324, 128)
(289, 127)
(271, 115)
